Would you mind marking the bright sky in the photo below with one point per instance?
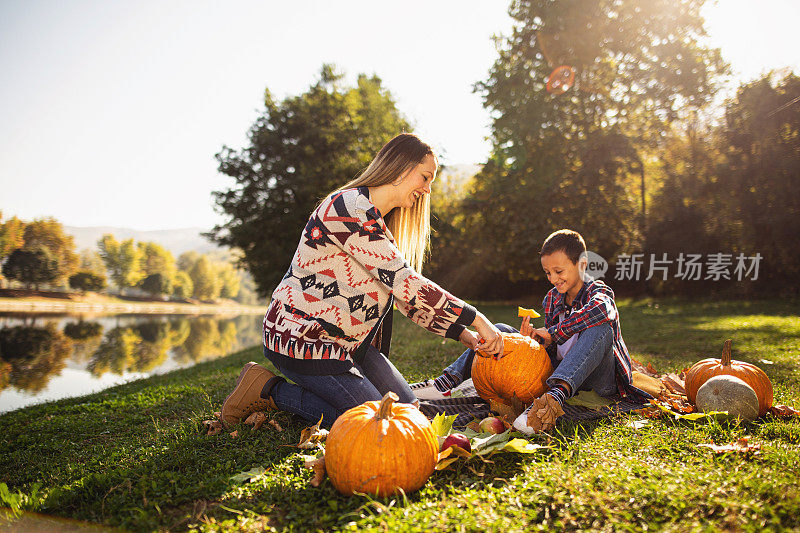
(112, 111)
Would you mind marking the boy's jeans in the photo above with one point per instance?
(589, 364)
(312, 396)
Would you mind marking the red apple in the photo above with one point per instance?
(457, 439)
(492, 424)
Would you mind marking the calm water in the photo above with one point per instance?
(47, 357)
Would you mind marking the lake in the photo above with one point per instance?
(48, 357)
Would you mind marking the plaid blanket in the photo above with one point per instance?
(467, 405)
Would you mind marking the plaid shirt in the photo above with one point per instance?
(593, 305)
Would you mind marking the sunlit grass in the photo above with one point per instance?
(135, 456)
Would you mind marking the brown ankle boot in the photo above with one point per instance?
(246, 396)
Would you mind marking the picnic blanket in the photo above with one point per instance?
(467, 405)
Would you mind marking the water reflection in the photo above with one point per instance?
(39, 353)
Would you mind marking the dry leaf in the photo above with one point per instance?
(740, 446)
(784, 411)
(312, 436)
(277, 426)
(674, 383)
(217, 414)
(652, 386)
(651, 371)
(651, 411)
(317, 464)
(257, 419)
(214, 427)
(474, 426)
(680, 405)
(235, 434)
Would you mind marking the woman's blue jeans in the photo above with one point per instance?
(589, 364)
(312, 396)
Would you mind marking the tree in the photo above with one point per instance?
(123, 261)
(183, 286)
(12, 236)
(90, 261)
(573, 160)
(49, 233)
(87, 281)
(300, 149)
(156, 283)
(157, 260)
(229, 280)
(31, 267)
(204, 279)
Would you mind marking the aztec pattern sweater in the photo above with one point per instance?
(342, 278)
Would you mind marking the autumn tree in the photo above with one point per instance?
(300, 149)
(32, 267)
(49, 233)
(573, 159)
(123, 261)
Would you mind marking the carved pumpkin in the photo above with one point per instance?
(752, 375)
(380, 447)
(521, 372)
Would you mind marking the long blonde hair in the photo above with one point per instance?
(411, 227)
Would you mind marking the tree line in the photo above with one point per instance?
(40, 253)
(636, 156)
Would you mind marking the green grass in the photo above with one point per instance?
(135, 456)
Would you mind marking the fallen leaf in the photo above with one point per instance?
(784, 411)
(651, 385)
(589, 399)
(651, 371)
(474, 426)
(256, 419)
(766, 361)
(638, 424)
(214, 427)
(740, 446)
(443, 424)
(274, 423)
(312, 436)
(680, 405)
(674, 383)
(522, 446)
(217, 414)
(235, 433)
(243, 477)
(317, 465)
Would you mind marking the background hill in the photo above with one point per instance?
(176, 241)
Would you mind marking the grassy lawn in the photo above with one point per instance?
(135, 456)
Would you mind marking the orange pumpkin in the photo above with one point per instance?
(381, 447)
(521, 372)
(750, 374)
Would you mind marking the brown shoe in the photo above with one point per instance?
(246, 396)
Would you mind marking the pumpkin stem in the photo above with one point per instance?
(385, 409)
(726, 353)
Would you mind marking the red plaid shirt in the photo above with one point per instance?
(593, 305)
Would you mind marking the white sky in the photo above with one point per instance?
(112, 111)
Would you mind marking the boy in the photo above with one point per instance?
(582, 335)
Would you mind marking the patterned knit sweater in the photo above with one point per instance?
(342, 277)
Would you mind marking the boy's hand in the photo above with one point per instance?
(542, 336)
(469, 339)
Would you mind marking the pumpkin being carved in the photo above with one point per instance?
(521, 372)
(750, 374)
(380, 447)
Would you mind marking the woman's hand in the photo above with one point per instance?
(469, 339)
(492, 340)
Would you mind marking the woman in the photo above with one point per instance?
(328, 326)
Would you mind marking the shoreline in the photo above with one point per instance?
(43, 305)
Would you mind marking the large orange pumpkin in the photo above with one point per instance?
(380, 447)
(521, 372)
(706, 369)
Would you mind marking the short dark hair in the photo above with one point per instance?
(567, 241)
